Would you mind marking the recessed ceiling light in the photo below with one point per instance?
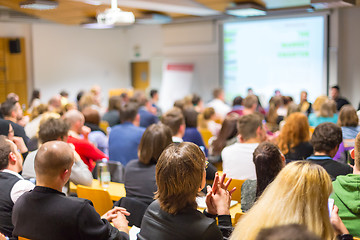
(246, 10)
(39, 4)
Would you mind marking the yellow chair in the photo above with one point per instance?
(206, 135)
(238, 216)
(22, 238)
(356, 238)
(99, 197)
(104, 125)
(236, 183)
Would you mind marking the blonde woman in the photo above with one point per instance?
(299, 194)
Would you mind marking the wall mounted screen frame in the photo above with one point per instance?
(265, 96)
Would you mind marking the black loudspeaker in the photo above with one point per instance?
(14, 46)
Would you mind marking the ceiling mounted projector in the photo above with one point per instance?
(115, 16)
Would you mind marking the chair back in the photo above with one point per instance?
(136, 207)
(99, 197)
(104, 126)
(238, 216)
(206, 135)
(236, 183)
(116, 170)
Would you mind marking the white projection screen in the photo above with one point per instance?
(287, 53)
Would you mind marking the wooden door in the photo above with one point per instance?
(13, 71)
(140, 75)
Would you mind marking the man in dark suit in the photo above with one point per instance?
(46, 213)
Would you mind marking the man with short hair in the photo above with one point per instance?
(57, 130)
(174, 119)
(125, 138)
(154, 95)
(11, 111)
(218, 103)
(325, 141)
(12, 184)
(87, 151)
(335, 95)
(46, 213)
(238, 157)
(250, 104)
(346, 194)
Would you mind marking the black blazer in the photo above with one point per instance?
(45, 213)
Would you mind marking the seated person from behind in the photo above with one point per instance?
(326, 140)
(237, 158)
(46, 213)
(268, 162)
(174, 119)
(87, 151)
(125, 138)
(57, 130)
(12, 184)
(140, 180)
(346, 194)
(180, 175)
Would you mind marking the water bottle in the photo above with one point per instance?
(103, 173)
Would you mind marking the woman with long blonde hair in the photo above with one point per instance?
(294, 138)
(299, 194)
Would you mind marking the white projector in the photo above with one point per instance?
(116, 17)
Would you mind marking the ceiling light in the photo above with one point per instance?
(326, 4)
(246, 10)
(39, 4)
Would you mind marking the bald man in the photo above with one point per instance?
(46, 213)
(87, 151)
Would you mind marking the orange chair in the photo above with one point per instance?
(236, 183)
(99, 197)
(238, 216)
(22, 238)
(206, 135)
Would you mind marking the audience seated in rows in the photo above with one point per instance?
(87, 151)
(325, 141)
(46, 213)
(268, 162)
(12, 184)
(237, 158)
(180, 175)
(54, 129)
(346, 194)
(299, 194)
(125, 138)
(140, 180)
(294, 137)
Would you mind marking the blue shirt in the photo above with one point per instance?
(146, 117)
(315, 120)
(124, 140)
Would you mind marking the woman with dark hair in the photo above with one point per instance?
(140, 173)
(112, 116)
(7, 130)
(191, 132)
(227, 136)
(180, 176)
(35, 100)
(268, 162)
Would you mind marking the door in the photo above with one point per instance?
(140, 75)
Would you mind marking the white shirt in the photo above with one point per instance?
(20, 187)
(177, 139)
(238, 160)
(220, 107)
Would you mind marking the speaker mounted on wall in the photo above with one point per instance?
(14, 45)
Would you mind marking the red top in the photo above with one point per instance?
(87, 151)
